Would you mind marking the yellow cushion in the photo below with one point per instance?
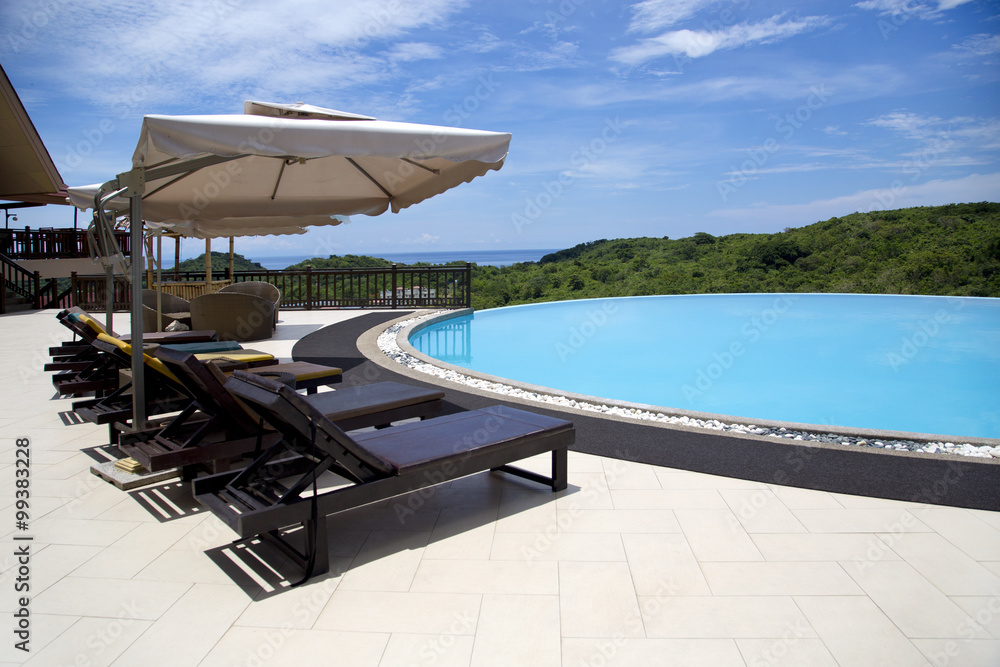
(245, 356)
(152, 362)
(92, 323)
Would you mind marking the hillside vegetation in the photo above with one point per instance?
(952, 250)
(220, 262)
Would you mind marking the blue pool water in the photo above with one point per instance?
(905, 363)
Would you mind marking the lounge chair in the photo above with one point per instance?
(224, 427)
(164, 392)
(257, 288)
(234, 316)
(272, 493)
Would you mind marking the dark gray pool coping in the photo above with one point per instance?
(939, 479)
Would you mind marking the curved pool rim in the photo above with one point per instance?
(403, 336)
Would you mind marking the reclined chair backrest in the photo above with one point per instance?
(124, 351)
(297, 420)
(206, 383)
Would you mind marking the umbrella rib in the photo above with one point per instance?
(436, 172)
(370, 177)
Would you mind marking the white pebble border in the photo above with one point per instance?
(387, 343)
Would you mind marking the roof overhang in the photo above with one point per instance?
(27, 172)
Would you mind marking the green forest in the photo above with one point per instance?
(941, 250)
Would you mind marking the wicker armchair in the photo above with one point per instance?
(258, 288)
(172, 309)
(233, 316)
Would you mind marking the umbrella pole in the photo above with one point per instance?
(231, 248)
(159, 281)
(208, 265)
(135, 182)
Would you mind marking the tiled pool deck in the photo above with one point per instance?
(632, 565)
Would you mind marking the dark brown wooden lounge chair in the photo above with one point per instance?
(279, 489)
(216, 427)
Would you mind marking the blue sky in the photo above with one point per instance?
(649, 118)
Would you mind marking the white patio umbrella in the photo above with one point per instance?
(278, 166)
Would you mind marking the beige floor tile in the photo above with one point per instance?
(960, 653)
(716, 535)
(184, 565)
(587, 491)
(426, 650)
(297, 607)
(878, 520)
(462, 532)
(965, 530)
(773, 578)
(397, 516)
(871, 503)
(633, 651)
(598, 600)
(412, 613)
(290, 647)
(55, 561)
(201, 617)
(618, 521)
(386, 562)
(915, 605)
(557, 546)
(943, 564)
(992, 518)
(87, 532)
(667, 499)
(980, 612)
(45, 631)
(856, 632)
(579, 462)
(532, 619)
(630, 475)
(526, 512)
(487, 576)
(95, 642)
(663, 564)
(113, 598)
(686, 479)
(760, 511)
(853, 547)
(708, 617)
(786, 651)
(804, 499)
(134, 551)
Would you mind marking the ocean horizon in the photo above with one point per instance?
(484, 257)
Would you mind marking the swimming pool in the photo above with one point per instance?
(904, 363)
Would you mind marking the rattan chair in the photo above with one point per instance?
(172, 309)
(234, 316)
(258, 288)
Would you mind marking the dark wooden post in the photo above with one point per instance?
(394, 300)
(74, 294)
(309, 287)
(37, 290)
(468, 284)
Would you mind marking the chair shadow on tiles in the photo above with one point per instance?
(168, 501)
(262, 568)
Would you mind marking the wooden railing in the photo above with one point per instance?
(389, 287)
(28, 285)
(51, 243)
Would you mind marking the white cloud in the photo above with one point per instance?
(410, 51)
(652, 15)
(176, 52)
(981, 45)
(769, 217)
(700, 43)
(423, 239)
(910, 7)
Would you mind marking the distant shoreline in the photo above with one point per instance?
(482, 257)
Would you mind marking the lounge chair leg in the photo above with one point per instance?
(560, 469)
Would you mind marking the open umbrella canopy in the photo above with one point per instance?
(277, 169)
(295, 165)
